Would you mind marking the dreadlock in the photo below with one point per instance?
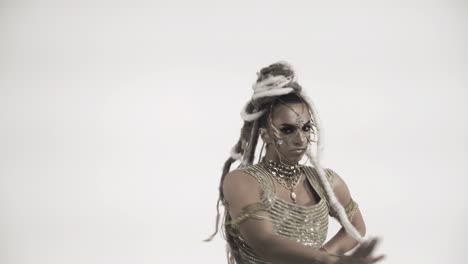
(276, 82)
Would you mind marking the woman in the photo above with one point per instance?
(277, 210)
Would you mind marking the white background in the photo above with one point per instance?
(116, 118)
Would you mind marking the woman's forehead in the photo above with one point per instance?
(290, 112)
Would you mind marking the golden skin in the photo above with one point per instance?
(241, 189)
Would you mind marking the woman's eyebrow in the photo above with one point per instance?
(293, 125)
(287, 125)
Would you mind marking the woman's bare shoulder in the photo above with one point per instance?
(240, 189)
(239, 181)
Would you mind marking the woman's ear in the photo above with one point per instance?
(265, 137)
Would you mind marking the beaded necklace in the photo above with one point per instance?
(287, 175)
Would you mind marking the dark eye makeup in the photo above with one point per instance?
(307, 128)
(288, 129)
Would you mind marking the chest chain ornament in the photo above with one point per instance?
(287, 175)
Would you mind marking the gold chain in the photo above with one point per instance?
(287, 175)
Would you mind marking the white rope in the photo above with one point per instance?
(234, 154)
(318, 123)
(271, 93)
(316, 162)
(250, 117)
(272, 82)
(271, 86)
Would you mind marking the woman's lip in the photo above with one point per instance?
(298, 150)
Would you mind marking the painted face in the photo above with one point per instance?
(291, 130)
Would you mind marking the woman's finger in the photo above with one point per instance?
(367, 250)
(376, 259)
(360, 248)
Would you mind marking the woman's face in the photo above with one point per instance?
(290, 132)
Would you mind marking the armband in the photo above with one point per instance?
(249, 211)
(351, 209)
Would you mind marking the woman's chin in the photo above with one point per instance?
(294, 159)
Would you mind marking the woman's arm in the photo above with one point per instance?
(240, 190)
(342, 242)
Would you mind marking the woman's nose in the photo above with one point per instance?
(300, 139)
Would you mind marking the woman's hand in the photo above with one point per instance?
(362, 255)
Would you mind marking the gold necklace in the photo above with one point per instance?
(287, 175)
